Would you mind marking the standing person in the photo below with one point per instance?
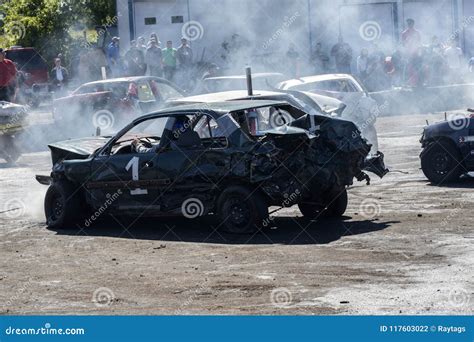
(7, 78)
(135, 59)
(169, 60)
(342, 53)
(59, 75)
(320, 60)
(411, 38)
(153, 59)
(363, 64)
(154, 37)
(398, 67)
(411, 41)
(293, 57)
(141, 44)
(454, 59)
(113, 57)
(184, 55)
(97, 61)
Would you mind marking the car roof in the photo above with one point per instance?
(219, 108)
(125, 79)
(242, 77)
(223, 96)
(317, 78)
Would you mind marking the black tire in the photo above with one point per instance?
(311, 211)
(62, 205)
(440, 162)
(336, 206)
(241, 210)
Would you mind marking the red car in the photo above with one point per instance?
(31, 62)
(35, 69)
(109, 104)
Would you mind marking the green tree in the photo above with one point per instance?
(48, 25)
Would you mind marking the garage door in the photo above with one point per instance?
(433, 17)
(364, 24)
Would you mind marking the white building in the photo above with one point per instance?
(271, 25)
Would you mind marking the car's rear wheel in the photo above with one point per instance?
(440, 162)
(62, 204)
(337, 204)
(241, 210)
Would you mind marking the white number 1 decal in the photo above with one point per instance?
(133, 163)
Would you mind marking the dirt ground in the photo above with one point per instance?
(404, 247)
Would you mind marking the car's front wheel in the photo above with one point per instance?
(440, 162)
(336, 205)
(241, 210)
(62, 204)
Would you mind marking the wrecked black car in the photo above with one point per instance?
(448, 149)
(233, 159)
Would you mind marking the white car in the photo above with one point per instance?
(360, 107)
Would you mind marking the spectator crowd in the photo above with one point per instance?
(410, 64)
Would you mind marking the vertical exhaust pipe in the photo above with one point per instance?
(248, 74)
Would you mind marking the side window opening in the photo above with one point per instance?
(210, 133)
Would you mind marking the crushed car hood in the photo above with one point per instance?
(76, 148)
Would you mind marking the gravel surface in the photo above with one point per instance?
(404, 247)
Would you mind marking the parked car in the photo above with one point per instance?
(35, 70)
(360, 108)
(448, 149)
(12, 122)
(224, 158)
(261, 80)
(111, 103)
